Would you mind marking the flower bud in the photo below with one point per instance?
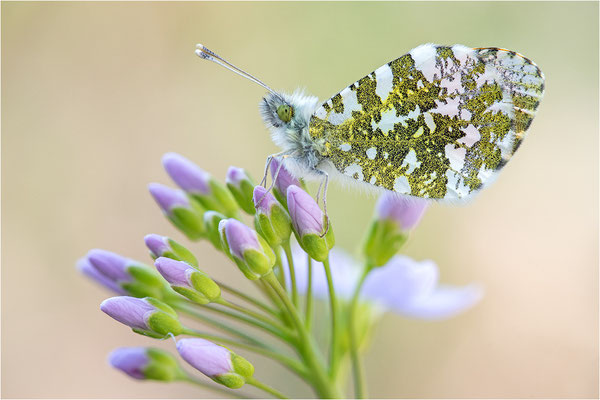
(199, 184)
(249, 250)
(188, 281)
(146, 316)
(184, 213)
(283, 179)
(162, 246)
(240, 185)
(216, 362)
(121, 274)
(395, 216)
(211, 225)
(146, 363)
(271, 220)
(85, 267)
(309, 224)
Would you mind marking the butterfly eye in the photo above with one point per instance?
(285, 112)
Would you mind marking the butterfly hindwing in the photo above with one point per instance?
(438, 122)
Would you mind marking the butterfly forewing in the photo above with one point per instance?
(438, 122)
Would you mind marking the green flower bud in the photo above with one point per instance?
(188, 281)
(211, 225)
(240, 185)
(162, 246)
(249, 250)
(271, 220)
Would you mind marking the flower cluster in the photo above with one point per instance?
(283, 242)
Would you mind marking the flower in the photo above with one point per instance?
(405, 211)
(311, 226)
(145, 316)
(403, 286)
(186, 215)
(186, 174)
(85, 267)
(146, 363)
(120, 274)
(241, 186)
(395, 216)
(283, 179)
(216, 362)
(249, 250)
(188, 281)
(163, 246)
(271, 220)
(199, 184)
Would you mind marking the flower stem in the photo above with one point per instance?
(250, 321)
(261, 349)
(247, 298)
(309, 296)
(285, 333)
(359, 378)
(335, 323)
(290, 261)
(325, 388)
(255, 382)
(183, 307)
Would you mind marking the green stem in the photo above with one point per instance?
(359, 378)
(215, 323)
(247, 298)
(325, 388)
(250, 321)
(219, 389)
(286, 333)
(261, 349)
(255, 382)
(309, 296)
(335, 323)
(290, 260)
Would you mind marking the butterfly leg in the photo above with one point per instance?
(283, 155)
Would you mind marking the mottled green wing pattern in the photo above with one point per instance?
(438, 122)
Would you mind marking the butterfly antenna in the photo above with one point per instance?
(206, 54)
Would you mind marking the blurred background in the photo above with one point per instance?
(94, 93)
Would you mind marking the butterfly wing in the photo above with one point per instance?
(438, 122)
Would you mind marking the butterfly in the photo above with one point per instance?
(439, 122)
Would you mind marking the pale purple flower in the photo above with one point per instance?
(131, 360)
(406, 211)
(187, 175)
(235, 175)
(239, 237)
(411, 288)
(168, 198)
(403, 286)
(307, 217)
(177, 273)
(85, 267)
(283, 178)
(209, 358)
(131, 311)
(267, 200)
(157, 244)
(109, 264)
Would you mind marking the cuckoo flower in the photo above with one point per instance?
(249, 250)
(311, 227)
(188, 281)
(184, 213)
(216, 362)
(146, 363)
(199, 184)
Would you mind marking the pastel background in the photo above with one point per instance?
(94, 93)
